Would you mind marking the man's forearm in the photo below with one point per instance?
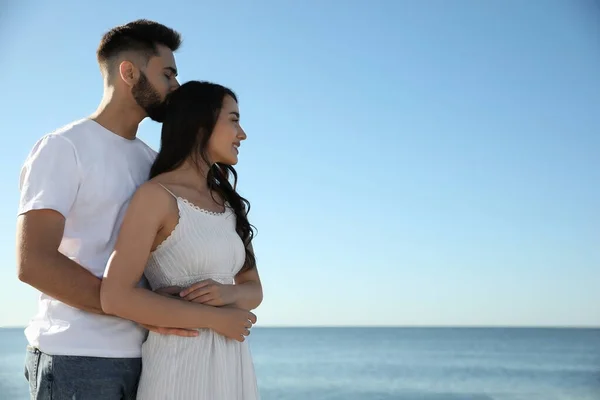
(249, 295)
(65, 280)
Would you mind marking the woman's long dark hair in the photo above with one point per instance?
(191, 115)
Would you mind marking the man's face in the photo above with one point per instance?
(155, 82)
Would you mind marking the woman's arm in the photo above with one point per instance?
(120, 294)
(249, 288)
(246, 293)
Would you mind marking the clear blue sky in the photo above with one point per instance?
(408, 162)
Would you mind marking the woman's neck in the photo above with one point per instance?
(190, 174)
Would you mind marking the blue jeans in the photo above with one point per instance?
(81, 378)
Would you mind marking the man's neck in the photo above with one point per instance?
(121, 119)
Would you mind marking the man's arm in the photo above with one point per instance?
(49, 183)
(41, 265)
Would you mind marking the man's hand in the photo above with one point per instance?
(210, 293)
(172, 331)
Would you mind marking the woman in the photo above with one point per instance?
(188, 226)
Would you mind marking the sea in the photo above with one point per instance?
(399, 363)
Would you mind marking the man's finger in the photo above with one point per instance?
(172, 331)
(181, 332)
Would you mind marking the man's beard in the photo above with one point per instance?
(149, 99)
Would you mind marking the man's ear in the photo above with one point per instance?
(129, 73)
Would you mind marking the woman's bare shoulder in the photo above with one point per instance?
(153, 196)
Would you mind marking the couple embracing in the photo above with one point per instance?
(144, 260)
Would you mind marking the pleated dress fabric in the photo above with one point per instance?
(204, 245)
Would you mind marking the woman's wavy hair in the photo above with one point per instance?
(191, 115)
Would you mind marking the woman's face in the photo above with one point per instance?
(224, 143)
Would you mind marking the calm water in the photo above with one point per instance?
(400, 363)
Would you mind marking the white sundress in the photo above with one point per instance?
(204, 245)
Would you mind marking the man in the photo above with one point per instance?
(74, 185)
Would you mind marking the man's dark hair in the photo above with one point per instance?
(140, 36)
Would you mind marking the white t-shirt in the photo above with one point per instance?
(88, 174)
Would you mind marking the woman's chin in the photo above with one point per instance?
(232, 160)
(229, 161)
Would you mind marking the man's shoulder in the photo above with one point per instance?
(58, 140)
(71, 130)
(147, 149)
(65, 135)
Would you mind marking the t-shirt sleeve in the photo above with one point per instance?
(50, 176)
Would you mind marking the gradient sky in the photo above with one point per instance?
(408, 162)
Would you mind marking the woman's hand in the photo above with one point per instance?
(170, 291)
(233, 323)
(210, 293)
(229, 321)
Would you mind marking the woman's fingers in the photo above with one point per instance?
(197, 293)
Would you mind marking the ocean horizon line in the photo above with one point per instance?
(13, 327)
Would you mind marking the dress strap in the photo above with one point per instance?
(164, 187)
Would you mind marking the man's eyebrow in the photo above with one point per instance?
(172, 69)
(237, 114)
